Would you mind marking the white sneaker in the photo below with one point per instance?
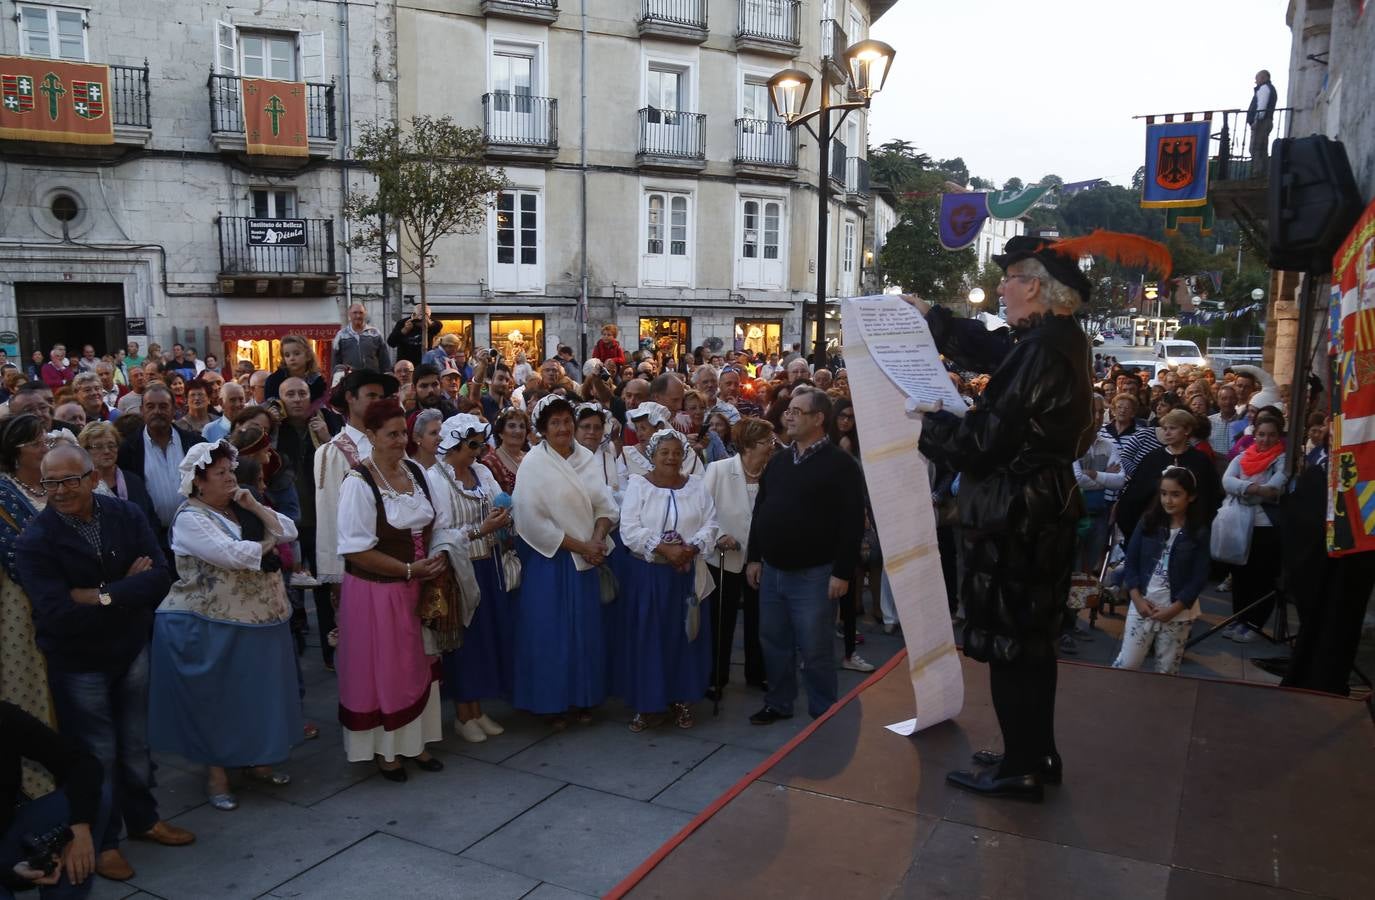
(1225, 585)
(303, 580)
(470, 731)
(1244, 634)
(857, 663)
(489, 726)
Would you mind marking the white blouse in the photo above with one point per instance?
(197, 532)
(464, 509)
(358, 513)
(649, 511)
(634, 462)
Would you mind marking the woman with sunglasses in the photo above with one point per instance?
(463, 490)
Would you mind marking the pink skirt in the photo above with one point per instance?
(384, 675)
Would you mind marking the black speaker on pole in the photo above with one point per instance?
(1313, 203)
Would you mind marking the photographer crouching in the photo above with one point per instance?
(46, 843)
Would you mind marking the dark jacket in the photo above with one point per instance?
(781, 530)
(131, 452)
(137, 489)
(1255, 112)
(54, 558)
(1018, 501)
(361, 351)
(411, 346)
(1140, 491)
(1189, 561)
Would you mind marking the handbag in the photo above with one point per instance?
(509, 568)
(1230, 541)
(692, 620)
(609, 586)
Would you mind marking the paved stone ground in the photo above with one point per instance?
(531, 814)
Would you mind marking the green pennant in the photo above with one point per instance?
(1011, 204)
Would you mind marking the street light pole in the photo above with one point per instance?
(823, 226)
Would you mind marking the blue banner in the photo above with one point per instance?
(1176, 164)
(962, 215)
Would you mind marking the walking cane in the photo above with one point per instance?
(716, 620)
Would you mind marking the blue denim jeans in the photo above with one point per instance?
(36, 817)
(796, 616)
(107, 712)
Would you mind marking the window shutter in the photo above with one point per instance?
(226, 49)
(312, 45)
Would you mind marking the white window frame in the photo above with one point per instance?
(521, 183)
(293, 210)
(308, 63)
(763, 196)
(532, 43)
(686, 63)
(669, 191)
(51, 10)
(848, 239)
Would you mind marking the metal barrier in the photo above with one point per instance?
(226, 110)
(129, 91)
(668, 132)
(773, 20)
(764, 143)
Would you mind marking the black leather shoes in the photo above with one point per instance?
(1052, 768)
(768, 715)
(988, 784)
(428, 765)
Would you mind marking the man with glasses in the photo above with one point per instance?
(37, 398)
(94, 573)
(799, 571)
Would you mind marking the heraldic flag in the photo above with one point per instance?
(1351, 464)
(274, 117)
(58, 102)
(962, 215)
(1176, 164)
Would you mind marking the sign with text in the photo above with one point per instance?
(276, 232)
(136, 327)
(54, 101)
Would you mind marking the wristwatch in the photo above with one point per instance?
(105, 598)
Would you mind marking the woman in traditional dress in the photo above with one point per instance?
(513, 441)
(648, 419)
(23, 669)
(668, 523)
(424, 445)
(463, 490)
(591, 421)
(388, 700)
(563, 514)
(224, 689)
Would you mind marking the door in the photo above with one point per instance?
(759, 132)
(518, 266)
(847, 259)
(70, 314)
(665, 129)
(759, 262)
(852, 150)
(667, 258)
(513, 113)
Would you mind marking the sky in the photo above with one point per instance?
(1029, 89)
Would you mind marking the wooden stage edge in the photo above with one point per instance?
(1175, 788)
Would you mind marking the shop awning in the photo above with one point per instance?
(317, 318)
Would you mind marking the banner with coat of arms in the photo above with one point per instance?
(54, 101)
(274, 117)
(1351, 463)
(1176, 164)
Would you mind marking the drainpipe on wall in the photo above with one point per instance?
(582, 162)
(345, 144)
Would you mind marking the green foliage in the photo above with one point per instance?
(897, 164)
(1054, 181)
(432, 181)
(913, 256)
(1013, 184)
(1196, 333)
(956, 169)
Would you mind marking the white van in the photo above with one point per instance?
(1173, 353)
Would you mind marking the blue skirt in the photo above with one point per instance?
(613, 615)
(560, 650)
(658, 665)
(223, 694)
(483, 667)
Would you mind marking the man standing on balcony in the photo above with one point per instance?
(1260, 115)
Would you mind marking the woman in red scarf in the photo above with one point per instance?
(1256, 478)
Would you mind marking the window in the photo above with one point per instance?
(514, 336)
(667, 255)
(517, 262)
(513, 71)
(52, 32)
(664, 91)
(267, 55)
(847, 259)
(760, 252)
(281, 55)
(856, 30)
(271, 203)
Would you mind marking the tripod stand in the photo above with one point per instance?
(1280, 634)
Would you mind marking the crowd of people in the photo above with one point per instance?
(469, 527)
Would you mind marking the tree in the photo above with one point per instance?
(1013, 184)
(981, 184)
(913, 256)
(897, 164)
(956, 169)
(1053, 181)
(432, 181)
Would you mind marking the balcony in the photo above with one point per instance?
(769, 26)
(227, 121)
(838, 157)
(765, 149)
(672, 140)
(674, 20)
(517, 126)
(545, 11)
(833, 44)
(280, 257)
(129, 109)
(857, 179)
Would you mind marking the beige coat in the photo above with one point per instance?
(734, 512)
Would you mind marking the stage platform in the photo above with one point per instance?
(1175, 788)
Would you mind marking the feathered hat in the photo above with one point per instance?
(1061, 257)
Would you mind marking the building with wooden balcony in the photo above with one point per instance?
(670, 201)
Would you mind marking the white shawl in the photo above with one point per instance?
(557, 497)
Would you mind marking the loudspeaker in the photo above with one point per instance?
(1313, 203)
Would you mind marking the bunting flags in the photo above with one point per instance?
(1011, 204)
(1351, 470)
(274, 117)
(962, 215)
(53, 101)
(1176, 163)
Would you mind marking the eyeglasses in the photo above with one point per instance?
(102, 445)
(71, 481)
(474, 444)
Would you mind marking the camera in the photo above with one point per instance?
(41, 849)
(605, 374)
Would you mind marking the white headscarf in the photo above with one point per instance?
(198, 457)
(458, 428)
(654, 413)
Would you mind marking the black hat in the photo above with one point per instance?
(1061, 258)
(1061, 267)
(358, 378)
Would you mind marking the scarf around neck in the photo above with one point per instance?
(1254, 461)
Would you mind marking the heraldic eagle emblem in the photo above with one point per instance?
(1174, 161)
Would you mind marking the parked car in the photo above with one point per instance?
(1139, 360)
(1175, 353)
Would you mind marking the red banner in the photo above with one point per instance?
(274, 117)
(58, 102)
(1351, 464)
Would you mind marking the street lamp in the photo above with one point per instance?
(867, 64)
(1258, 295)
(976, 296)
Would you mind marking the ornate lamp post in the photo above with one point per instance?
(867, 64)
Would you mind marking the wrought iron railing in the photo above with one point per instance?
(690, 13)
(129, 93)
(239, 257)
(773, 20)
(1236, 153)
(226, 110)
(667, 132)
(838, 158)
(857, 176)
(833, 40)
(550, 5)
(520, 120)
(764, 143)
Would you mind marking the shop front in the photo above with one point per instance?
(759, 336)
(513, 335)
(253, 329)
(666, 336)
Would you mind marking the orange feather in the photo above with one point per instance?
(1126, 249)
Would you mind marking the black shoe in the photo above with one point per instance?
(397, 775)
(768, 715)
(428, 765)
(1016, 787)
(1052, 767)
